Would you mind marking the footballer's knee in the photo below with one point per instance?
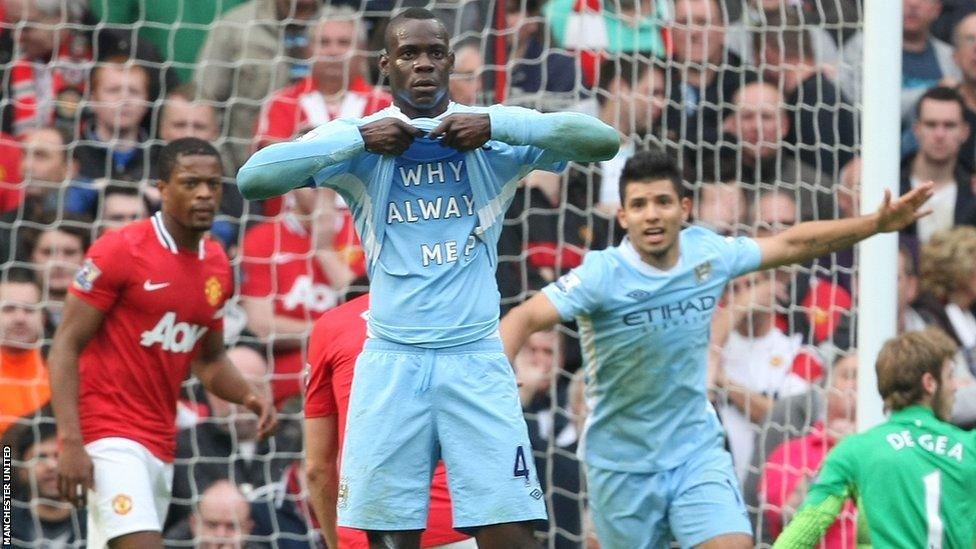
(401, 539)
(728, 541)
(510, 535)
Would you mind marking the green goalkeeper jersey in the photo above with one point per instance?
(914, 479)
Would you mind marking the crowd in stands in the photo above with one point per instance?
(758, 99)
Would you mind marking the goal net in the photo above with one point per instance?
(756, 99)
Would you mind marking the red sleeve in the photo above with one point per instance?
(226, 288)
(319, 397)
(256, 263)
(105, 272)
(278, 120)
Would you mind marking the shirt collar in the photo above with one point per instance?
(629, 252)
(166, 240)
(913, 413)
(395, 112)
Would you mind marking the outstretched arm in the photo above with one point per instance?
(535, 315)
(816, 238)
(567, 135)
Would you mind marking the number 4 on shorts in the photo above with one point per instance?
(521, 467)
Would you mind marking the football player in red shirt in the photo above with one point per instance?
(143, 311)
(336, 341)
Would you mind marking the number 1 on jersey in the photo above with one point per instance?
(933, 492)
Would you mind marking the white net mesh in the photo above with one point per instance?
(678, 74)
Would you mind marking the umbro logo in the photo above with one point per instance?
(639, 295)
(150, 287)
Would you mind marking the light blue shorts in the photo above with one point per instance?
(410, 407)
(692, 503)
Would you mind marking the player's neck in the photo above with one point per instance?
(186, 239)
(662, 262)
(412, 111)
(924, 169)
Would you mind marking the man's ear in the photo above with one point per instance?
(686, 209)
(929, 384)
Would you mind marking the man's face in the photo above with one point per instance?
(418, 62)
(119, 100)
(221, 522)
(758, 121)
(44, 163)
(698, 31)
(41, 462)
(775, 213)
(537, 358)
(965, 47)
(21, 321)
(58, 254)
(42, 34)
(466, 79)
(182, 118)
(334, 47)
(652, 214)
(192, 193)
(721, 207)
(120, 209)
(918, 15)
(945, 395)
(941, 130)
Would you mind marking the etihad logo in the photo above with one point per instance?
(684, 311)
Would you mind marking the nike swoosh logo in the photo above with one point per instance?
(150, 287)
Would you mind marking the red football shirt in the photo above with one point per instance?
(301, 107)
(337, 339)
(159, 303)
(278, 260)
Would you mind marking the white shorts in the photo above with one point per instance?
(132, 490)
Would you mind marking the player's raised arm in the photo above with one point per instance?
(816, 238)
(279, 168)
(222, 379)
(535, 315)
(79, 324)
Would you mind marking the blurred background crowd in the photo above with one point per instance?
(758, 99)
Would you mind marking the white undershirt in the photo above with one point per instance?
(943, 206)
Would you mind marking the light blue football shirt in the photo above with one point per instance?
(644, 335)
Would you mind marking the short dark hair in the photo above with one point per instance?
(125, 190)
(76, 225)
(185, 146)
(941, 93)
(652, 164)
(630, 71)
(422, 14)
(18, 275)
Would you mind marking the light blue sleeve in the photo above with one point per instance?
(312, 160)
(578, 292)
(548, 140)
(742, 254)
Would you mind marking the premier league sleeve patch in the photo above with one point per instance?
(87, 275)
(567, 282)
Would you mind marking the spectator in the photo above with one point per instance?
(941, 129)
(538, 77)
(764, 14)
(757, 129)
(631, 98)
(926, 61)
(819, 308)
(544, 393)
(292, 274)
(467, 75)
(221, 520)
(909, 320)
(953, 11)
(792, 465)
(55, 248)
(225, 445)
(759, 364)
(948, 269)
(704, 76)
(176, 28)
(121, 205)
(336, 87)
(113, 140)
(821, 120)
(47, 81)
(721, 204)
(47, 168)
(40, 518)
(251, 51)
(964, 41)
(24, 385)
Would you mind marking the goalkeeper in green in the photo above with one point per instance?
(913, 477)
